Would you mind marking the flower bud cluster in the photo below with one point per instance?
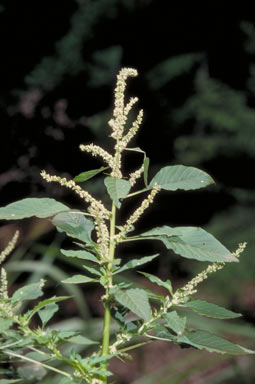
(11, 245)
(133, 130)
(135, 175)
(95, 150)
(138, 212)
(103, 238)
(119, 112)
(97, 206)
(4, 285)
(182, 294)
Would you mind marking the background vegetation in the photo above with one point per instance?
(197, 87)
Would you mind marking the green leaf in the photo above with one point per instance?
(46, 313)
(136, 300)
(28, 292)
(49, 301)
(212, 343)
(5, 324)
(79, 279)
(78, 339)
(75, 224)
(211, 310)
(176, 177)
(117, 189)
(92, 270)
(32, 371)
(84, 176)
(84, 255)
(135, 263)
(146, 163)
(154, 279)
(10, 381)
(175, 322)
(192, 243)
(39, 207)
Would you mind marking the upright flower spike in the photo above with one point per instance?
(119, 112)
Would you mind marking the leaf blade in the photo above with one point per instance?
(211, 310)
(39, 207)
(176, 177)
(175, 322)
(75, 225)
(84, 176)
(117, 189)
(135, 263)
(79, 279)
(212, 343)
(80, 254)
(192, 243)
(146, 163)
(136, 300)
(154, 279)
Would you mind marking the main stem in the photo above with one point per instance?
(107, 313)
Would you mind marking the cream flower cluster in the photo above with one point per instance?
(95, 150)
(135, 175)
(5, 307)
(119, 112)
(103, 238)
(182, 294)
(10, 247)
(138, 212)
(97, 206)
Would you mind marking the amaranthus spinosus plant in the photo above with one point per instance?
(97, 234)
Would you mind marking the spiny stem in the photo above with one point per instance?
(107, 313)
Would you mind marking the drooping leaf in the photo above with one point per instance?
(117, 189)
(79, 279)
(154, 279)
(135, 263)
(192, 243)
(211, 310)
(78, 339)
(176, 177)
(84, 176)
(75, 224)
(28, 292)
(136, 300)
(84, 255)
(46, 313)
(146, 163)
(5, 324)
(175, 322)
(39, 207)
(212, 343)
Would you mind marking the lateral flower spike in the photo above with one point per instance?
(96, 206)
(10, 247)
(95, 150)
(182, 294)
(138, 212)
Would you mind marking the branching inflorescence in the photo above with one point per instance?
(159, 321)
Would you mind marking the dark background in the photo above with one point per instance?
(196, 84)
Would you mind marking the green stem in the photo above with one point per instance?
(107, 313)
